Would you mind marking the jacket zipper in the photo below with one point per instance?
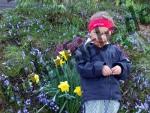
(110, 88)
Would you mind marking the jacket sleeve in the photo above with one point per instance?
(125, 65)
(85, 67)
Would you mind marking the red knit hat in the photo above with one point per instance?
(100, 22)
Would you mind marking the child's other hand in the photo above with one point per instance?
(106, 71)
(116, 70)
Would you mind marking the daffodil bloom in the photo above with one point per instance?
(65, 54)
(35, 78)
(78, 91)
(58, 61)
(64, 86)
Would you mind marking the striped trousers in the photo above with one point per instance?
(101, 106)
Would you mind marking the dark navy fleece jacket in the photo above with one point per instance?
(89, 63)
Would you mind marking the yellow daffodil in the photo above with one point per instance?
(35, 78)
(64, 86)
(65, 54)
(78, 91)
(61, 62)
(58, 61)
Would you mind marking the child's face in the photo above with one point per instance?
(100, 36)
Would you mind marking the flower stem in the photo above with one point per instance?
(63, 106)
(54, 98)
(40, 109)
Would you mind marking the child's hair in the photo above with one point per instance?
(102, 14)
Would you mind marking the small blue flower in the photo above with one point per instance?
(44, 101)
(30, 89)
(50, 103)
(12, 98)
(19, 111)
(42, 95)
(41, 27)
(6, 83)
(53, 106)
(18, 100)
(18, 26)
(25, 110)
(1, 78)
(28, 102)
(43, 98)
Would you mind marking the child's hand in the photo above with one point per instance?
(106, 71)
(116, 70)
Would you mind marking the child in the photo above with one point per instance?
(101, 65)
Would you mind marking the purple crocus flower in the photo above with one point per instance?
(71, 47)
(78, 41)
(59, 48)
